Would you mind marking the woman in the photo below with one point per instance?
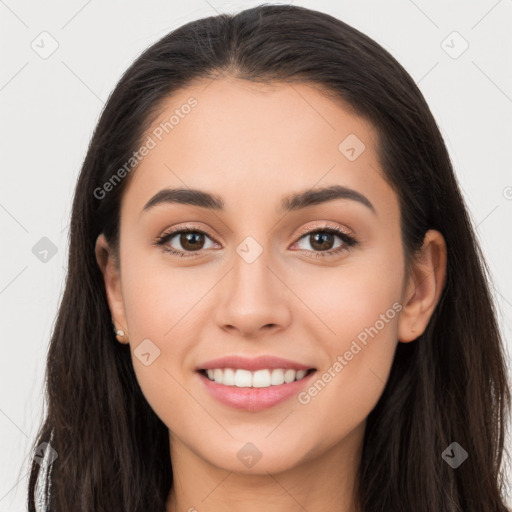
(275, 298)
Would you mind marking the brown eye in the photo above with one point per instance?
(322, 242)
(183, 241)
(187, 241)
(192, 241)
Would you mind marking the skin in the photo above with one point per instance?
(252, 144)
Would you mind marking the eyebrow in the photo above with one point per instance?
(292, 202)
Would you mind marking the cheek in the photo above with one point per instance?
(356, 301)
(361, 309)
(166, 306)
(159, 297)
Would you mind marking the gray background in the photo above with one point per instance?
(49, 107)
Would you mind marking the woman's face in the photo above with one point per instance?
(258, 275)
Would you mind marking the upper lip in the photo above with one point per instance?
(253, 364)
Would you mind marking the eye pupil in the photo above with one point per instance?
(323, 239)
(187, 240)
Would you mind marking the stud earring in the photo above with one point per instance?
(120, 335)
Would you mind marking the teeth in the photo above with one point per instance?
(228, 376)
(300, 374)
(243, 378)
(258, 379)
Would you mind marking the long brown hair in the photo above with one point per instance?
(448, 385)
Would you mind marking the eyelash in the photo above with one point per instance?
(348, 241)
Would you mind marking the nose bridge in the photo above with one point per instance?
(253, 254)
(252, 281)
(253, 297)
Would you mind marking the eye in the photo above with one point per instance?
(191, 239)
(321, 241)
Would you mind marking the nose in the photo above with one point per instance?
(253, 298)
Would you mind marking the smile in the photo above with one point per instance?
(244, 394)
(258, 379)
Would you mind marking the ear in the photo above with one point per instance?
(423, 289)
(109, 266)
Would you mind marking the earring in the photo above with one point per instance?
(120, 335)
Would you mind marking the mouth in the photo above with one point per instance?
(254, 391)
(264, 378)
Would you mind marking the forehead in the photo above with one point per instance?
(241, 139)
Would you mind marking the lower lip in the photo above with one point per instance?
(254, 399)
